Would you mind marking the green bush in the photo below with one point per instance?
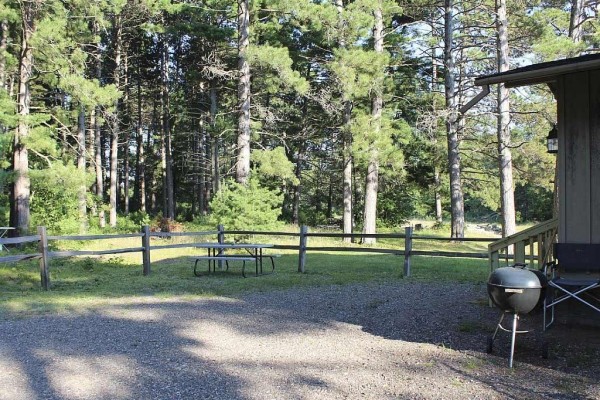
(533, 203)
(250, 207)
(54, 200)
(140, 218)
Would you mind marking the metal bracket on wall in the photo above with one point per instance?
(475, 100)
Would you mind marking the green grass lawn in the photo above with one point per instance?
(77, 283)
(81, 282)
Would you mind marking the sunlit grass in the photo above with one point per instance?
(83, 282)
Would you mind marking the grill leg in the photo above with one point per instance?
(498, 327)
(512, 342)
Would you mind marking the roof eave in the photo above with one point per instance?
(516, 78)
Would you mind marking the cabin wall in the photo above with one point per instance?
(578, 98)
(578, 101)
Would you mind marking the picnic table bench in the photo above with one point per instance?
(216, 254)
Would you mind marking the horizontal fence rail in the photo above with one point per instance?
(20, 240)
(174, 234)
(96, 237)
(406, 249)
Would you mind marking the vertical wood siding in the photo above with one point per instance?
(579, 154)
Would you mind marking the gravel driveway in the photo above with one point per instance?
(375, 341)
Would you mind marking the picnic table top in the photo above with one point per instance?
(233, 245)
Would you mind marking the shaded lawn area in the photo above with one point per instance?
(84, 282)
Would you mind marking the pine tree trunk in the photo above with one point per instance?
(576, 20)
(99, 171)
(504, 154)
(115, 127)
(372, 182)
(214, 140)
(3, 47)
(81, 161)
(19, 217)
(200, 165)
(127, 112)
(454, 167)
(243, 142)
(437, 181)
(207, 173)
(168, 156)
(152, 178)
(96, 139)
(163, 163)
(91, 155)
(437, 194)
(347, 217)
(298, 187)
(140, 159)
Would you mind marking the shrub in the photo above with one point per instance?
(250, 207)
(54, 199)
(163, 224)
(140, 218)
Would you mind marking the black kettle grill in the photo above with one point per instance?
(515, 290)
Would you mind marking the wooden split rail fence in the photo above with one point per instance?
(45, 254)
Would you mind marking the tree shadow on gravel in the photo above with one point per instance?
(457, 316)
(220, 348)
(269, 345)
(99, 356)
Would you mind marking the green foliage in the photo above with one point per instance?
(400, 202)
(8, 118)
(554, 42)
(368, 138)
(359, 71)
(277, 60)
(534, 203)
(274, 165)
(250, 207)
(308, 61)
(140, 218)
(54, 199)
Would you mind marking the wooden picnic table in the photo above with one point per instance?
(216, 253)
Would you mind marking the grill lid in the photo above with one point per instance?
(517, 278)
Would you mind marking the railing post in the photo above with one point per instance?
(43, 249)
(519, 251)
(408, 232)
(220, 240)
(146, 249)
(494, 257)
(302, 249)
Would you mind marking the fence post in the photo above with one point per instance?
(408, 232)
(302, 249)
(43, 249)
(146, 249)
(220, 240)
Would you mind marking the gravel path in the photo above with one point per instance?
(374, 341)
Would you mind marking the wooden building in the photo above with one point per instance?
(575, 83)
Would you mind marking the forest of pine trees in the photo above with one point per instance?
(327, 111)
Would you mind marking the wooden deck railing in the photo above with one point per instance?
(532, 246)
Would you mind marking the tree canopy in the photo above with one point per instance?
(348, 109)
